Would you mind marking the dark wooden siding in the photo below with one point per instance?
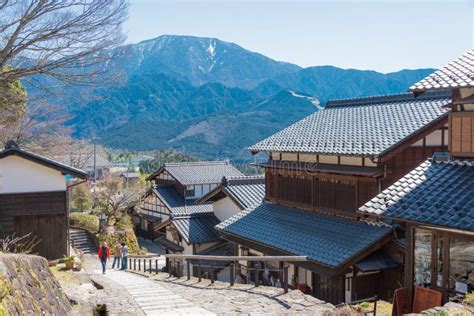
(318, 191)
(404, 162)
(329, 289)
(44, 214)
(50, 231)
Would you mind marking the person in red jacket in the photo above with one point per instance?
(104, 255)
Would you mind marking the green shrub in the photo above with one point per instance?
(84, 221)
(126, 236)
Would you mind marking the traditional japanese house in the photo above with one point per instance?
(169, 213)
(34, 199)
(320, 171)
(234, 195)
(435, 201)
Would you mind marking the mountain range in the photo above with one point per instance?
(209, 97)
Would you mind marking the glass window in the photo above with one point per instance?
(461, 262)
(440, 261)
(422, 254)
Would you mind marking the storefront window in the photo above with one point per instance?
(423, 257)
(461, 263)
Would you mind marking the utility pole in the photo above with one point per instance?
(95, 157)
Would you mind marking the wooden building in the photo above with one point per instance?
(320, 171)
(234, 195)
(435, 202)
(169, 213)
(34, 199)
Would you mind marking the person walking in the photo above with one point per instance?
(117, 255)
(124, 252)
(104, 254)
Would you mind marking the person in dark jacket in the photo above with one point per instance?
(124, 252)
(104, 255)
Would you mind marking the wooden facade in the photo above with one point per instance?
(43, 214)
(323, 191)
(341, 194)
(462, 134)
(318, 191)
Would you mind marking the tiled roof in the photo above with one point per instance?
(457, 74)
(327, 240)
(245, 191)
(176, 202)
(358, 127)
(129, 175)
(200, 172)
(248, 193)
(197, 229)
(14, 150)
(435, 193)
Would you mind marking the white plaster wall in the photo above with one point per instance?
(225, 208)
(18, 175)
(188, 249)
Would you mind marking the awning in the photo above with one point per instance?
(377, 261)
(168, 244)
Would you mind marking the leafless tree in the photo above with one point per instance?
(63, 40)
(114, 198)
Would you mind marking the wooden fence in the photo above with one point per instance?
(135, 263)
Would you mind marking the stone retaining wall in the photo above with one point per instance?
(27, 287)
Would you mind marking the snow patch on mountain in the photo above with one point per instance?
(313, 100)
(212, 48)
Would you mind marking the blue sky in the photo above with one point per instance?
(380, 35)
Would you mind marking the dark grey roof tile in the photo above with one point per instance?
(360, 127)
(177, 204)
(197, 229)
(440, 193)
(457, 74)
(201, 172)
(330, 241)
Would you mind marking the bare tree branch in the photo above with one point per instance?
(59, 38)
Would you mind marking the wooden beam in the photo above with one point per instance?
(409, 259)
(235, 258)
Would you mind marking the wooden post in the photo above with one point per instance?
(134, 264)
(375, 304)
(212, 273)
(257, 281)
(149, 265)
(188, 269)
(231, 271)
(139, 264)
(129, 263)
(156, 265)
(199, 272)
(285, 276)
(169, 268)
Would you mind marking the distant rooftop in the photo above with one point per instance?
(359, 127)
(246, 191)
(177, 204)
(457, 74)
(200, 172)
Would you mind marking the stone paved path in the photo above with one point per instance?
(152, 297)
